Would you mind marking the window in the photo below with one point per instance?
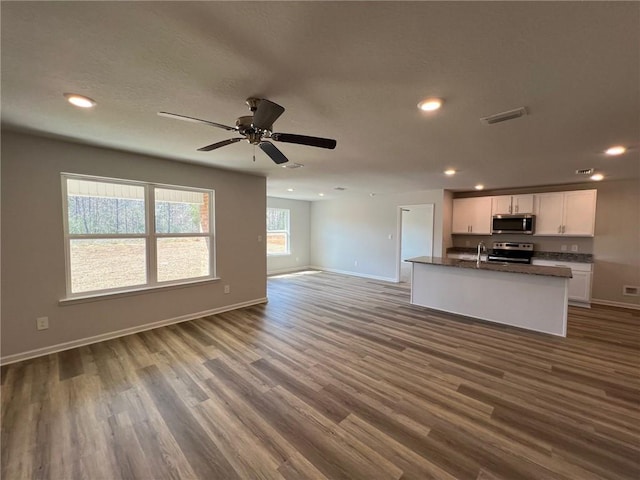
(278, 231)
(124, 235)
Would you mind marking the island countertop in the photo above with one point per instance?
(562, 272)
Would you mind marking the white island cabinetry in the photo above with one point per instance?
(524, 296)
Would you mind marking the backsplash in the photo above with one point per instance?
(539, 254)
(540, 244)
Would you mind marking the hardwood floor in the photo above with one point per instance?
(339, 378)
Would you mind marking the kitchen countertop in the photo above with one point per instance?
(540, 255)
(495, 267)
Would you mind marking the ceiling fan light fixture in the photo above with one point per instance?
(616, 150)
(80, 100)
(430, 104)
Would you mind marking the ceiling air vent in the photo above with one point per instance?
(341, 189)
(584, 171)
(504, 116)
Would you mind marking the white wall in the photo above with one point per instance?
(299, 224)
(363, 229)
(33, 263)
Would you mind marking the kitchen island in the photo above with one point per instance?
(526, 296)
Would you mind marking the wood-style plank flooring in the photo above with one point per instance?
(335, 378)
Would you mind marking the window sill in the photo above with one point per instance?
(96, 297)
(278, 254)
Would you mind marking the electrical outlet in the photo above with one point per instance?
(259, 238)
(227, 289)
(574, 248)
(42, 323)
(563, 248)
(355, 263)
(390, 236)
(467, 243)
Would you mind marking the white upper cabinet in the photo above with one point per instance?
(512, 204)
(566, 213)
(472, 215)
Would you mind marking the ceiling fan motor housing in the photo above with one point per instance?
(246, 128)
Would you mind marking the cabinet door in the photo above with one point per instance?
(481, 215)
(501, 205)
(522, 203)
(580, 286)
(579, 212)
(462, 215)
(549, 213)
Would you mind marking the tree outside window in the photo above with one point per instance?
(278, 231)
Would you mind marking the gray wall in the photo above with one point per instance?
(33, 264)
(616, 246)
(363, 229)
(299, 236)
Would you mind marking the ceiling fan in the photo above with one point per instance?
(257, 130)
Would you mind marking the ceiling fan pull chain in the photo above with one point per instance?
(254, 153)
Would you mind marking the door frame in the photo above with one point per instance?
(399, 233)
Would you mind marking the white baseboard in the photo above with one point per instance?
(278, 271)
(18, 357)
(355, 274)
(609, 303)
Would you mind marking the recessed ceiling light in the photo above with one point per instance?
(597, 177)
(289, 189)
(617, 150)
(450, 172)
(372, 194)
(321, 194)
(430, 104)
(80, 100)
(479, 187)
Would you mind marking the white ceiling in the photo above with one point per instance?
(353, 71)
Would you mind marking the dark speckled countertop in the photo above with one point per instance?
(563, 272)
(554, 256)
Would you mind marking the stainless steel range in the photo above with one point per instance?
(511, 252)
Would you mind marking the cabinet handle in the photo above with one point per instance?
(471, 228)
(517, 208)
(560, 229)
(510, 209)
(563, 228)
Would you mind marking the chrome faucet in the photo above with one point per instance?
(481, 248)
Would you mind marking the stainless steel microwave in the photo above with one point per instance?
(522, 224)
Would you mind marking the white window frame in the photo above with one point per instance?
(150, 236)
(287, 232)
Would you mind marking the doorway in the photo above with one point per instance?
(415, 234)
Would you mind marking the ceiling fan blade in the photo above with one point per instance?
(266, 113)
(304, 140)
(195, 120)
(223, 143)
(275, 154)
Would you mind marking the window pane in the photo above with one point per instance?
(99, 264)
(182, 258)
(104, 208)
(180, 211)
(277, 243)
(277, 219)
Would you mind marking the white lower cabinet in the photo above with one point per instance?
(580, 284)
